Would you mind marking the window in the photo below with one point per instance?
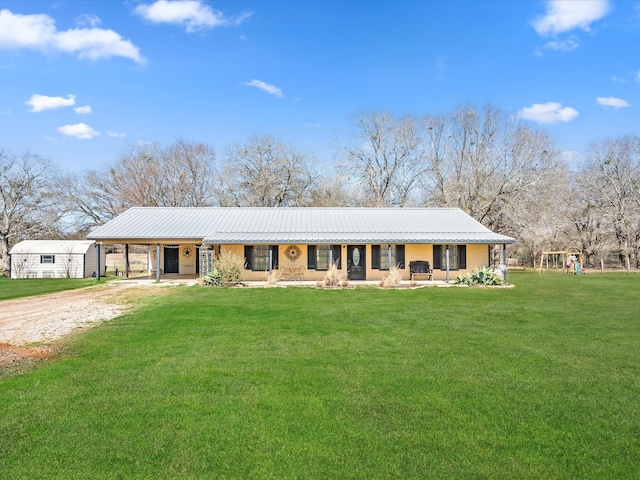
(320, 257)
(256, 257)
(457, 257)
(383, 256)
(47, 259)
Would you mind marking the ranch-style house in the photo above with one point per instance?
(301, 243)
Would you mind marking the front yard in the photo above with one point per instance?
(538, 381)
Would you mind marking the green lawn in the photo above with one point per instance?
(16, 288)
(538, 381)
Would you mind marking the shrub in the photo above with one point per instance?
(273, 277)
(212, 279)
(335, 277)
(394, 279)
(480, 276)
(227, 270)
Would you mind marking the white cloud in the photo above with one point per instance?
(38, 32)
(86, 20)
(115, 134)
(550, 112)
(638, 76)
(612, 102)
(192, 14)
(566, 15)
(563, 45)
(83, 110)
(96, 43)
(81, 131)
(265, 86)
(38, 102)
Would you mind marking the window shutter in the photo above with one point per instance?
(400, 256)
(248, 257)
(311, 257)
(335, 252)
(375, 257)
(274, 257)
(462, 256)
(437, 257)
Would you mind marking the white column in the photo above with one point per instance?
(157, 262)
(447, 260)
(97, 261)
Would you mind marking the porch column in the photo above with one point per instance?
(157, 262)
(389, 254)
(126, 260)
(447, 263)
(504, 262)
(270, 258)
(97, 261)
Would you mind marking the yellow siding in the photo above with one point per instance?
(477, 256)
(187, 265)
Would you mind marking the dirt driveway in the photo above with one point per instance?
(29, 326)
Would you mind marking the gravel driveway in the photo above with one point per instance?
(28, 326)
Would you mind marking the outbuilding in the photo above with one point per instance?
(55, 259)
(364, 243)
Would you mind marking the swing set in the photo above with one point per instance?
(570, 260)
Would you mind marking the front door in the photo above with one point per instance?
(356, 262)
(171, 262)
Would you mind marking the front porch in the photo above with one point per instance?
(296, 263)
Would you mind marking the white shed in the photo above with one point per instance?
(55, 259)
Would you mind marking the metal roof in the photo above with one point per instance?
(52, 247)
(218, 225)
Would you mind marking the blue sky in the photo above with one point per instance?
(81, 80)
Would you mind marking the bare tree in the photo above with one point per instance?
(389, 160)
(330, 191)
(182, 175)
(613, 173)
(487, 164)
(28, 200)
(189, 170)
(265, 173)
(95, 199)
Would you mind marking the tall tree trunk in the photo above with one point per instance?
(6, 260)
